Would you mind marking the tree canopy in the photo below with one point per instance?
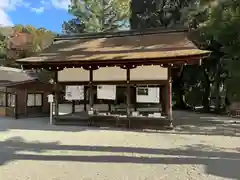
(97, 16)
(221, 25)
(159, 13)
(217, 24)
(40, 39)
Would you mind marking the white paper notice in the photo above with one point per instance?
(147, 95)
(74, 93)
(106, 92)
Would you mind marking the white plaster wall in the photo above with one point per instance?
(109, 73)
(152, 97)
(149, 73)
(73, 74)
(113, 74)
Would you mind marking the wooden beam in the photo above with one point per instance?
(149, 83)
(94, 67)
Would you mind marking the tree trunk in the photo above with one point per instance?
(217, 87)
(206, 95)
(180, 99)
(179, 91)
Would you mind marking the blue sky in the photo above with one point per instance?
(39, 13)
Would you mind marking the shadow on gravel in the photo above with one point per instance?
(219, 162)
(41, 124)
(184, 122)
(205, 124)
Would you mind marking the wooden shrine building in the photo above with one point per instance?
(23, 94)
(122, 58)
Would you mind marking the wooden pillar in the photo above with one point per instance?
(169, 96)
(56, 99)
(16, 106)
(6, 98)
(91, 97)
(163, 94)
(128, 96)
(160, 99)
(85, 98)
(26, 106)
(109, 106)
(135, 98)
(73, 106)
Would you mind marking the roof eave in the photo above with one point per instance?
(187, 59)
(10, 84)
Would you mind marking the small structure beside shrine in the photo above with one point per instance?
(22, 94)
(130, 61)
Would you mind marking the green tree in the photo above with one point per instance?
(23, 42)
(2, 45)
(26, 40)
(96, 16)
(159, 13)
(222, 26)
(217, 24)
(4, 33)
(2, 50)
(73, 26)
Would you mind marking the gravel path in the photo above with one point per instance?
(33, 150)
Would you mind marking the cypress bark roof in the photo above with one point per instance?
(10, 76)
(126, 46)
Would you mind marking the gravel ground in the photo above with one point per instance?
(201, 147)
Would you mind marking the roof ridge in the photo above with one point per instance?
(119, 34)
